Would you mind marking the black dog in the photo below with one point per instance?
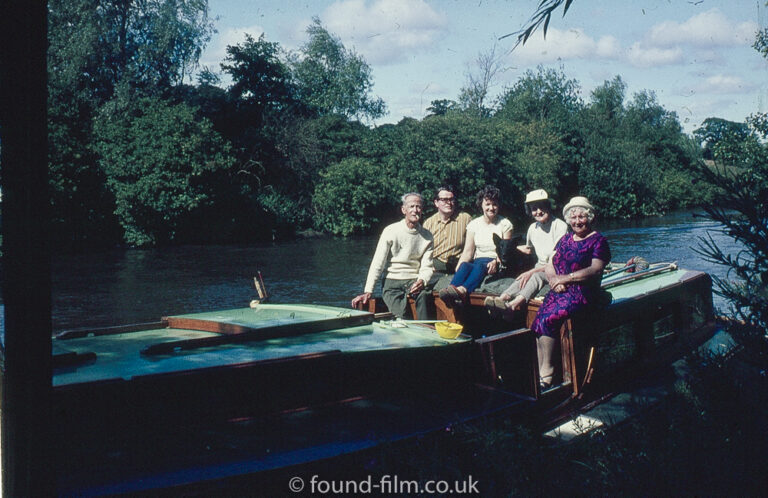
(513, 262)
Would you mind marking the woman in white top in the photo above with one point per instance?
(542, 236)
(479, 256)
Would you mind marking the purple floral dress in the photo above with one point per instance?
(571, 255)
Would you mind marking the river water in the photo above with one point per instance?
(130, 286)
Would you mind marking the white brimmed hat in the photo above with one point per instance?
(578, 201)
(536, 195)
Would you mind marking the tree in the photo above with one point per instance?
(636, 157)
(543, 95)
(718, 132)
(464, 150)
(169, 36)
(352, 196)
(157, 159)
(607, 103)
(97, 47)
(333, 79)
(741, 209)
(472, 96)
(761, 42)
(549, 97)
(540, 17)
(261, 79)
(152, 44)
(441, 107)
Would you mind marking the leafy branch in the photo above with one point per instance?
(539, 18)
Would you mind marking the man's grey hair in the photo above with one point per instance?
(412, 194)
(589, 212)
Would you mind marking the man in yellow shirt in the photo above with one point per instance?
(449, 231)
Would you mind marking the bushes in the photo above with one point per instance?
(466, 152)
(156, 158)
(352, 196)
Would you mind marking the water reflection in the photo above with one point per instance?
(120, 287)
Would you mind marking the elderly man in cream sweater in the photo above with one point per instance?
(405, 250)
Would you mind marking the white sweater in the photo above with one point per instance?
(409, 252)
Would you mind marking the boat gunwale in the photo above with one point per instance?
(230, 333)
(111, 330)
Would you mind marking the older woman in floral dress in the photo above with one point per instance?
(574, 278)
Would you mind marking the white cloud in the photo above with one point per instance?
(385, 31)
(607, 47)
(708, 29)
(217, 52)
(641, 56)
(566, 45)
(725, 84)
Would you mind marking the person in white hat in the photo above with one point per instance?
(543, 234)
(574, 275)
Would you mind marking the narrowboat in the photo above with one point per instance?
(219, 395)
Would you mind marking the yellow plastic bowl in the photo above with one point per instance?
(449, 330)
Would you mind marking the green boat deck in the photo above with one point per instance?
(119, 356)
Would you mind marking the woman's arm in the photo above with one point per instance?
(468, 254)
(577, 276)
(526, 275)
(549, 271)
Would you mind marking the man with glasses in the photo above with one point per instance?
(449, 230)
(542, 236)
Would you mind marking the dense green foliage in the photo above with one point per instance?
(740, 170)
(157, 159)
(719, 133)
(142, 156)
(332, 79)
(97, 49)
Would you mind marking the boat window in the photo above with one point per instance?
(616, 346)
(663, 330)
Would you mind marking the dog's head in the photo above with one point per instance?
(512, 261)
(506, 249)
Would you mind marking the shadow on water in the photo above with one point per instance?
(130, 286)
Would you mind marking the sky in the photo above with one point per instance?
(695, 55)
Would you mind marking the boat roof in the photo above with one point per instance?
(119, 356)
(634, 288)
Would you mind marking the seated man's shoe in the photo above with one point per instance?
(449, 295)
(461, 299)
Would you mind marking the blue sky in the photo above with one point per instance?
(695, 55)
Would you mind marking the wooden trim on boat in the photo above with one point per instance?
(233, 333)
(119, 329)
(377, 307)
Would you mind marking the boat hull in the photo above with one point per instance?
(199, 398)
